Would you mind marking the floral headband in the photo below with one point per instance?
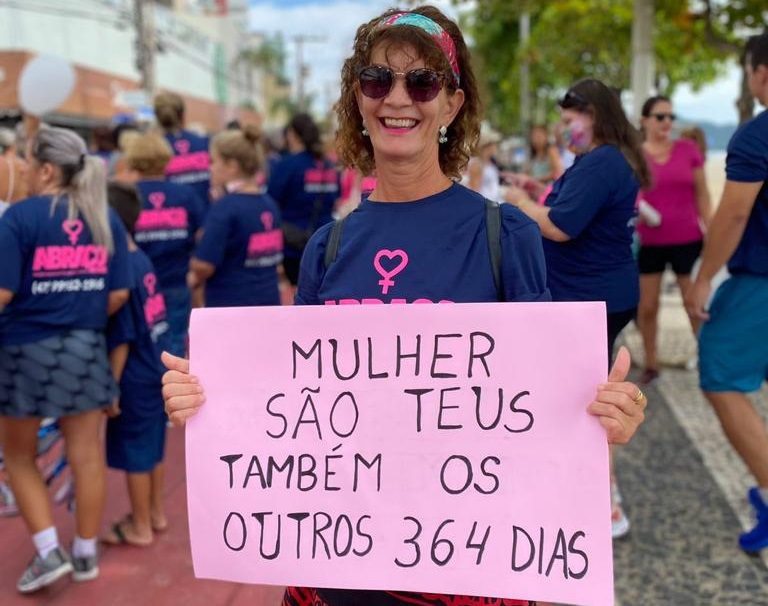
(437, 33)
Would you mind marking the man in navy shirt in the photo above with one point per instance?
(733, 350)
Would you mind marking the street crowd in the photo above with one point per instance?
(107, 246)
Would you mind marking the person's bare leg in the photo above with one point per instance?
(86, 459)
(745, 430)
(157, 507)
(20, 454)
(139, 527)
(647, 316)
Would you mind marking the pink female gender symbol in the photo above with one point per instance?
(73, 228)
(182, 146)
(267, 220)
(157, 199)
(387, 276)
(150, 281)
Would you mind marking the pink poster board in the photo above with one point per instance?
(430, 448)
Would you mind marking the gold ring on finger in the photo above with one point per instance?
(638, 399)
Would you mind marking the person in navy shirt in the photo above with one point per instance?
(305, 185)
(64, 270)
(588, 218)
(136, 428)
(419, 237)
(167, 228)
(241, 247)
(190, 164)
(733, 349)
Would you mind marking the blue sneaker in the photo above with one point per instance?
(757, 538)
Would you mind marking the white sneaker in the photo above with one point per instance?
(619, 523)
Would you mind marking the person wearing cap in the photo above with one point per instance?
(482, 173)
(408, 108)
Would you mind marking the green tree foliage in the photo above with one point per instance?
(574, 39)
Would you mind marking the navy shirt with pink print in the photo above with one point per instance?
(60, 278)
(433, 250)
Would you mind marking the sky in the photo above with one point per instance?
(337, 20)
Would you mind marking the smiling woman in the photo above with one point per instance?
(410, 110)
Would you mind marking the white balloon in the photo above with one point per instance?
(45, 83)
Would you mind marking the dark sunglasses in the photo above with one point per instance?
(660, 117)
(423, 84)
(573, 99)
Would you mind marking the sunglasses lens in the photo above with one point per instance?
(662, 117)
(376, 82)
(423, 84)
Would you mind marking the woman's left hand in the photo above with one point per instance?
(619, 404)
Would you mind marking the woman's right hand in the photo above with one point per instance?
(182, 392)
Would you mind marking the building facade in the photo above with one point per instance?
(195, 47)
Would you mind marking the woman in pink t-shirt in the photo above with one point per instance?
(679, 194)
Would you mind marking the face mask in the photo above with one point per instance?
(578, 136)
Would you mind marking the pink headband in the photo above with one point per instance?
(437, 33)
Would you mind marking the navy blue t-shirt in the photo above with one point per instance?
(142, 323)
(191, 162)
(305, 190)
(747, 162)
(170, 217)
(430, 250)
(594, 204)
(59, 277)
(242, 238)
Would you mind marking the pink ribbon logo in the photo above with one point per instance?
(267, 220)
(73, 228)
(387, 275)
(150, 281)
(157, 199)
(182, 146)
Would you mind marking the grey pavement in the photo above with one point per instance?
(684, 489)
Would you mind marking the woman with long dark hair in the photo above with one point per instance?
(587, 220)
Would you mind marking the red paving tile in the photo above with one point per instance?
(155, 576)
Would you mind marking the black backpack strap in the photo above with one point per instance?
(334, 239)
(493, 229)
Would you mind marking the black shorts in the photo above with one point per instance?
(654, 259)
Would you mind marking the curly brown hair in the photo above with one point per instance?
(356, 150)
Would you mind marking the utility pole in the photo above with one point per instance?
(144, 21)
(643, 65)
(525, 74)
(301, 69)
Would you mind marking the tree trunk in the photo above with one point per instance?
(746, 103)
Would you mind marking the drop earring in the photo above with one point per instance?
(443, 138)
(365, 132)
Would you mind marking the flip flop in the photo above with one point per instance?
(128, 518)
(117, 537)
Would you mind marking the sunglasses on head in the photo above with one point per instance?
(423, 84)
(660, 117)
(573, 99)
